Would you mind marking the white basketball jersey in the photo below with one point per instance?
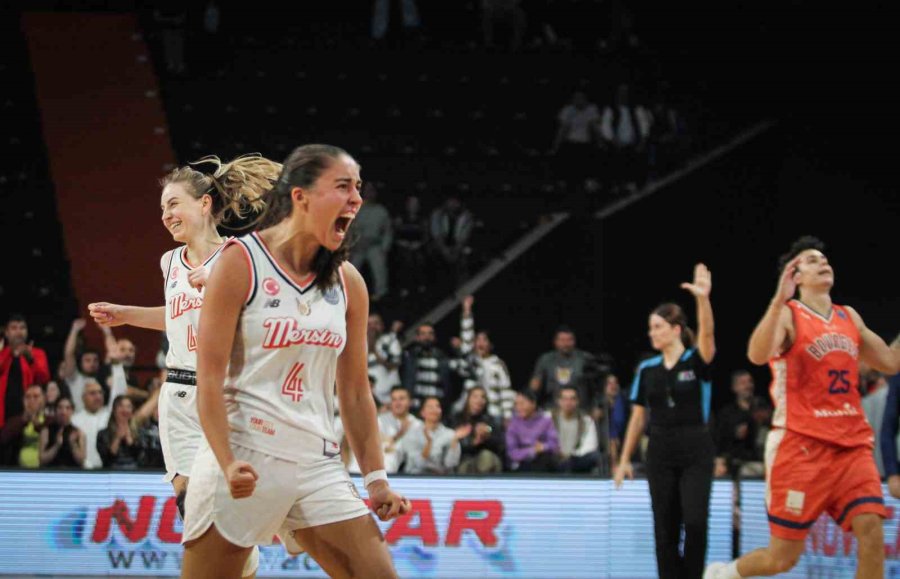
(183, 310)
(284, 359)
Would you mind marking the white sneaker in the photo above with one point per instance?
(715, 570)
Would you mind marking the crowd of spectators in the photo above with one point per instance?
(91, 414)
(441, 411)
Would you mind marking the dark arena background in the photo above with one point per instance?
(713, 132)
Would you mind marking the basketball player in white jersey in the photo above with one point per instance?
(284, 326)
(192, 204)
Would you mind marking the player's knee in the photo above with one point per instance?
(784, 562)
(784, 557)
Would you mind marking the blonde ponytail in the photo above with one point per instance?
(236, 187)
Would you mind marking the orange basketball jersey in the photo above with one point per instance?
(814, 383)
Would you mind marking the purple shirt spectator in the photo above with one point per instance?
(532, 442)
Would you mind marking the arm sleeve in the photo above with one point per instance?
(704, 370)
(452, 454)
(467, 333)
(119, 383)
(412, 450)
(638, 396)
(589, 442)
(39, 366)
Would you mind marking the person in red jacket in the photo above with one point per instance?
(21, 365)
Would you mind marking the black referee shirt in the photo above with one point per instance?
(677, 397)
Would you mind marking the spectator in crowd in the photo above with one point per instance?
(410, 239)
(425, 370)
(666, 138)
(625, 128)
(394, 425)
(762, 416)
(576, 137)
(578, 443)
(618, 416)
(563, 366)
(385, 355)
(429, 446)
(482, 447)
(20, 437)
(381, 17)
(21, 365)
(462, 373)
(735, 432)
(532, 443)
(95, 415)
(62, 443)
(488, 370)
(873, 403)
(510, 15)
(52, 393)
(451, 229)
(118, 443)
(78, 368)
(373, 238)
(123, 352)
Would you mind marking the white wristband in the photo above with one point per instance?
(374, 476)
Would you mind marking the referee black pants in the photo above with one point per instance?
(679, 472)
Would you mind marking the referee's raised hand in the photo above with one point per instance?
(702, 285)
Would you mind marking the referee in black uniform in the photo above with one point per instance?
(676, 388)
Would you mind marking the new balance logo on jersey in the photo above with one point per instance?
(272, 303)
(828, 343)
(181, 303)
(285, 332)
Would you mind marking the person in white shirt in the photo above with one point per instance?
(431, 447)
(578, 441)
(578, 123)
(385, 355)
(394, 425)
(490, 372)
(77, 369)
(625, 128)
(94, 414)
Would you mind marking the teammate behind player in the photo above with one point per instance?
(193, 205)
(819, 452)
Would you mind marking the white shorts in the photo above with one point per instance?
(180, 433)
(288, 496)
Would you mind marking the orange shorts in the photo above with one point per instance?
(806, 477)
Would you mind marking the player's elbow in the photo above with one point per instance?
(756, 357)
